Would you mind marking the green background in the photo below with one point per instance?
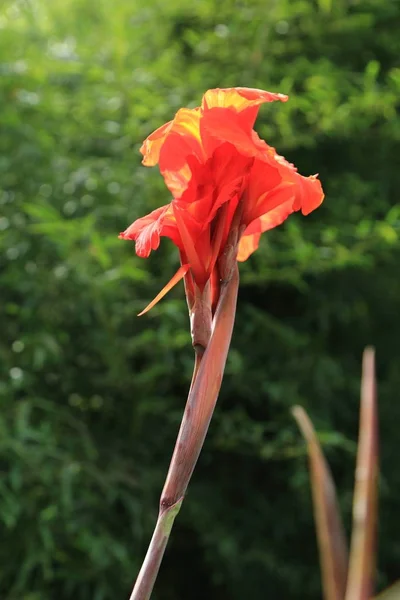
(91, 395)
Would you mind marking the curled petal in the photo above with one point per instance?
(273, 208)
(146, 231)
(271, 219)
(238, 98)
(152, 145)
(247, 245)
(240, 105)
(270, 204)
(181, 272)
(186, 122)
(177, 180)
(310, 194)
(185, 133)
(308, 190)
(251, 237)
(260, 194)
(220, 125)
(171, 143)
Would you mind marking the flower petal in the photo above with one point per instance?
(238, 98)
(310, 194)
(271, 219)
(147, 230)
(247, 245)
(177, 180)
(251, 237)
(152, 145)
(240, 105)
(259, 195)
(181, 272)
(272, 208)
(186, 125)
(308, 190)
(221, 125)
(184, 129)
(190, 232)
(210, 157)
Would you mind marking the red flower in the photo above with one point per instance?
(213, 162)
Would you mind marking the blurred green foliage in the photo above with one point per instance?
(91, 396)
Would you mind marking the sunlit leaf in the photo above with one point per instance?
(391, 593)
(330, 532)
(363, 541)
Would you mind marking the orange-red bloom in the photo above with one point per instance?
(216, 167)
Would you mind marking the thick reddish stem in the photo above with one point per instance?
(202, 397)
(203, 394)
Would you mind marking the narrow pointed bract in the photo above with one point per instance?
(181, 272)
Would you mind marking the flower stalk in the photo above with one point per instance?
(199, 408)
(203, 396)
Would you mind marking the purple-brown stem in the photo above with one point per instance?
(203, 394)
(203, 397)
